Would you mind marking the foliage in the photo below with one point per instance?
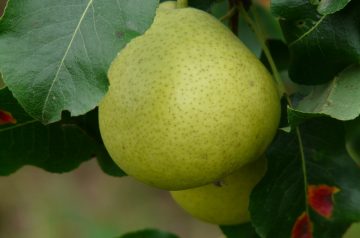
(53, 63)
(149, 233)
(245, 230)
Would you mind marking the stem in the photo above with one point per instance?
(18, 125)
(303, 164)
(229, 14)
(234, 19)
(182, 3)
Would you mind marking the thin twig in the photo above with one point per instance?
(229, 14)
(234, 19)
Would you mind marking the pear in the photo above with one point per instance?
(225, 202)
(188, 103)
(353, 231)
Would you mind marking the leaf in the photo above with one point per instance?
(318, 200)
(149, 233)
(90, 124)
(320, 46)
(239, 231)
(203, 4)
(245, 33)
(280, 54)
(55, 54)
(339, 99)
(269, 23)
(248, 37)
(6, 118)
(59, 147)
(330, 6)
(107, 165)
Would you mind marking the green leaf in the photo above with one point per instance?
(321, 46)
(55, 54)
(203, 4)
(59, 147)
(248, 37)
(279, 200)
(149, 233)
(270, 24)
(90, 124)
(280, 53)
(330, 6)
(239, 231)
(107, 165)
(339, 99)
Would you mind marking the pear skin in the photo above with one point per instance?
(225, 202)
(188, 103)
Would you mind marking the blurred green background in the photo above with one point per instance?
(87, 203)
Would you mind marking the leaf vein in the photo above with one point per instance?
(63, 58)
(308, 32)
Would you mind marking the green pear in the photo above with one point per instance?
(225, 202)
(353, 231)
(188, 103)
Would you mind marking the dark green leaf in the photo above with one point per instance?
(108, 165)
(203, 4)
(200, 4)
(280, 53)
(280, 199)
(55, 54)
(239, 231)
(149, 233)
(59, 147)
(219, 9)
(330, 6)
(90, 124)
(320, 45)
(56, 148)
(339, 99)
